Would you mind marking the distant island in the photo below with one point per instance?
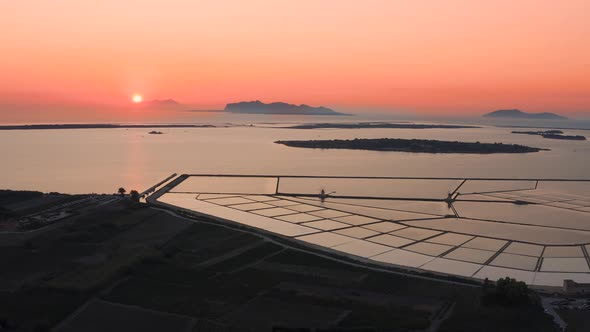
(541, 132)
(552, 134)
(161, 104)
(258, 107)
(518, 114)
(566, 137)
(364, 125)
(412, 145)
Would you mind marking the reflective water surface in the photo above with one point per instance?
(523, 229)
(102, 160)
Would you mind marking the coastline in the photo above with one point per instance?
(99, 126)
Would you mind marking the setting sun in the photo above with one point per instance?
(137, 98)
(430, 157)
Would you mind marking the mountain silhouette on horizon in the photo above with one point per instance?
(258, 107)
(161, 104)
(518, 114)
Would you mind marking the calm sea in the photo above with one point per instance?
(102, 160)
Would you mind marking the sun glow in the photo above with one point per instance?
(137, 98)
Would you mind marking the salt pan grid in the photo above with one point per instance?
(535, 231)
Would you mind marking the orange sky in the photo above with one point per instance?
(443, 57)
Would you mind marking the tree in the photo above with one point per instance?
(508, 291)
(134, 195)
(512, 291)
(122, 191)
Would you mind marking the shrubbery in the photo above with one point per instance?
(507, 291)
